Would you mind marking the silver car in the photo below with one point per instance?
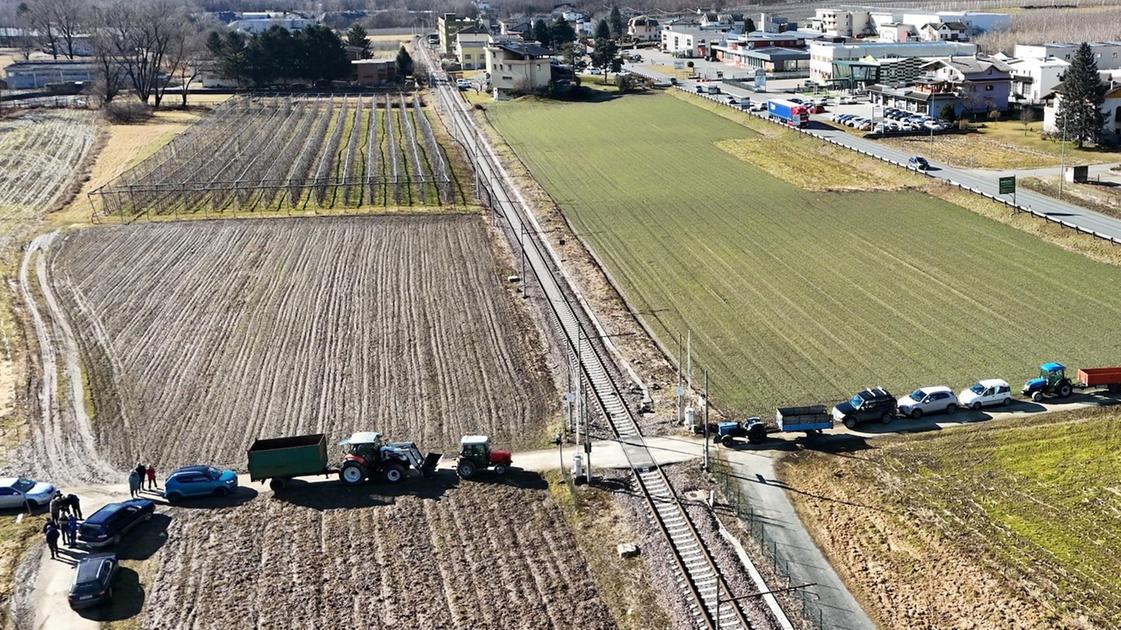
(928, 400)
(24, 493)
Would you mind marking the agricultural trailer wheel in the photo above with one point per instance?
(465, 469)
(394, 473)
(276, 484)
(850, 423)
(352, 474)
(500, 469)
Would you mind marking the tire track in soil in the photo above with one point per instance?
(228, 331)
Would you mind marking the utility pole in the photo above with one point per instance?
(705, 416)
(525, 292)
(1063, 159)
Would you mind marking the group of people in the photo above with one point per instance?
(65, 512)
(137, 477)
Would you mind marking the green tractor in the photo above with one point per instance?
(475, 454)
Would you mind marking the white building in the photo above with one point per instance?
(823, 54)
(1108, 54)
(1111, 113)
(693, 40)
(859, 22)
(842, 23)
(517, 67)
(255, 23)
(643, 28)
(470, 47)
(1034, 79)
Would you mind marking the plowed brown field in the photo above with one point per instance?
(470, 555)
(199, 337)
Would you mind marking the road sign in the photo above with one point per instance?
(1008, 185)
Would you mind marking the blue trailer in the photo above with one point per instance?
(789, 112)
(812, 420)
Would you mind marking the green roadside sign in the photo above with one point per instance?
(1008, 185)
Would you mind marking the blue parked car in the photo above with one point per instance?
(199, 481)
(105, 526)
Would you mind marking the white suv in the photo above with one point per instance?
(928, 400)
(986, 393)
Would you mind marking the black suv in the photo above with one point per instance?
(93, 581)
(871, 404)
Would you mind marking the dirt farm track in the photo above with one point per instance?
(199, 337)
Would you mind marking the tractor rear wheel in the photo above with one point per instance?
(1064, 390)
(394, 473)
(500, 469)
(465, 469)
(352, 473)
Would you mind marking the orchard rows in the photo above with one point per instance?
(292, 152)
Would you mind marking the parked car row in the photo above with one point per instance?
(893, 121)
(876, 403)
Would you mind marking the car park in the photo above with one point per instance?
(874, 403)
(17, 492)
(106, 526)
(918, 163)
(926, 400)
(93, 581)
(199, 481)
(986, 393)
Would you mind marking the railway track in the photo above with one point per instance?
(711, 603)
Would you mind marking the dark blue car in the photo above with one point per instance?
(93, 581)
(105, 526)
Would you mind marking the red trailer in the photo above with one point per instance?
(1107, 377)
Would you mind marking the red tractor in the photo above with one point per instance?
(475, 454)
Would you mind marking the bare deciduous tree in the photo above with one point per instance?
(68, 19)
(143, 37)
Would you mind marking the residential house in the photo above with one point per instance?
(470, 47)
(1107, 54)
(514, 67)
(38, 73)
(690, 39)
(1111, 112)
(858, 23)
(823, 54)
(447, 25)
(896, 32)
(1034, 79)
(982, 84)
(944, 31)
(520, 25)
(842, 23)
(374, 72)
(643, 28)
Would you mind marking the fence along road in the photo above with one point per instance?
(697, 571)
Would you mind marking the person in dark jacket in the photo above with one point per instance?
(51, 533)
(75, 505)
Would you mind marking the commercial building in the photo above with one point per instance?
(447, 25)
(373, 72)
(253, 23)
(30, 75)
(778, 54)
(514, 67)
(824, 54)
(1107, 54)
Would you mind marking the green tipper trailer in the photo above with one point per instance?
(281, 459)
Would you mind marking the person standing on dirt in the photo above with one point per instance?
(141, 471)
(134, 484)
(70, 529)
(151, 472)
(75, 505)
(56, 507)
(51, 534)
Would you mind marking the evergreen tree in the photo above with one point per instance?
(357, 37)
(603, 31)
(1080, 109)
(404, 62)
(615, 22)
(541, 32)
(561, 32)
(605, 54)
(749, 25)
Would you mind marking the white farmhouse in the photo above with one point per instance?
(517, 67)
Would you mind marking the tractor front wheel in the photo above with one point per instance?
(394, 473)
(465, 469)
(1037, 396)
(500, 469)
(352, 474)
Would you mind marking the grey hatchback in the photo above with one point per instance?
(93, 580)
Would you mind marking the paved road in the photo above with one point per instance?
(977, 180)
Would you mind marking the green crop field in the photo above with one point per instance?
(1021, 518)
(795, 296)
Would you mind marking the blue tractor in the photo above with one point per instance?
(1051, 382)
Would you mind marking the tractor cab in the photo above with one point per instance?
(364, 445)
(1052, 381)
(476, 454)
